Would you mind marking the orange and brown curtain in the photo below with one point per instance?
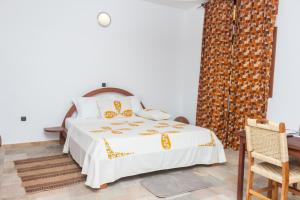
(215, 67)
(235, 66)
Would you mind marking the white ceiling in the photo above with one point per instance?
(182, 4)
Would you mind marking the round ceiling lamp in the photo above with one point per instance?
(104, 19)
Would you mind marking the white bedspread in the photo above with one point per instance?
(111, 149)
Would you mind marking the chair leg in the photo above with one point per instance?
(284, 191)
(270, 186)
(250, 178)
(249, 185)
(275, 191)
(285, 181)
(294, 186)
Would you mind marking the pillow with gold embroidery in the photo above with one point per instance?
(152, 114)
(115, 108)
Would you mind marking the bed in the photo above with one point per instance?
(108, 150)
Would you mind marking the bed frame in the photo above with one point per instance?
(62, 129)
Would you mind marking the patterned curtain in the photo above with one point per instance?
(235, 73)
(215, 66)
(252, 58)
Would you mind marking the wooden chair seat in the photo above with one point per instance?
(274, 172)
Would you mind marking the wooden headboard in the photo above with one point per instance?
(96, 92)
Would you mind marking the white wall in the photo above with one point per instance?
(190, 62)
(285, 104)
(52, 51)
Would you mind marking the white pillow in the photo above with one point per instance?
(152, 114)
(135, 103)
(115, 108)
(86, 107)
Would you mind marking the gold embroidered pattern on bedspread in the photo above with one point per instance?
(136, 123)
(165, 139)
(166, 125)
(212, 142)
(153, 131)
(109, 129)
(111, 154)
(118, 107)
(149, 132)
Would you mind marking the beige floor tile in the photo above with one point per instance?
(124, 189)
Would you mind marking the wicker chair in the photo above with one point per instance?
(267, 142)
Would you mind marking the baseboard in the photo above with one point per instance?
(30, 144)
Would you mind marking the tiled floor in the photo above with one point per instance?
(124, 189)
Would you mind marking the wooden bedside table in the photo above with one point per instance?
(60, 130)
(182, 120)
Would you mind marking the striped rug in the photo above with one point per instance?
(48, 173)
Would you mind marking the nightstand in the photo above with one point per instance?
(182, 120)
(60, 130)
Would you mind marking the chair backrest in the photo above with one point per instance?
(267, 141)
